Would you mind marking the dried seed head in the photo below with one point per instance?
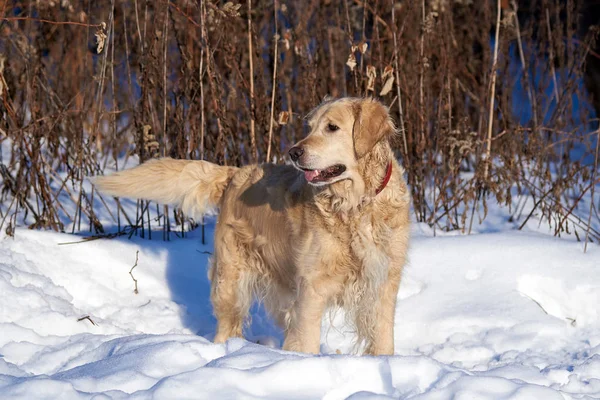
(363, 47)
(150, 143)
(3, 85)
(388, 77)
(230, 9)
(371, 75)
(439, 5)
(387, 86)
(44, 4)
(508, 18)
(211, 19)
(287, 38)
(429, 22)
(100, 37)
(351, 62)
(67, 4)
(387, 71)
(284, 117)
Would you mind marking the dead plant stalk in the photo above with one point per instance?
(593, 183)
(399, 94)
(488, 148)
(166, 225)
(135, 289)
(252, 104)
(274, 84)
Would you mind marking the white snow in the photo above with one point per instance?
(506, 315)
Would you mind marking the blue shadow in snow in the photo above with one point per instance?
(187, 278)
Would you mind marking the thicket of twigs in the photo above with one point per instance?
(85, 84)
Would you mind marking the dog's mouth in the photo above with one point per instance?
(323, 175)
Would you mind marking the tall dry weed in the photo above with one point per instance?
(87, 84)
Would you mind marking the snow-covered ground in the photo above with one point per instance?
(505, 315)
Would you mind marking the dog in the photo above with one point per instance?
(329, 230)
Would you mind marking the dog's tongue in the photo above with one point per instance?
(310, 175)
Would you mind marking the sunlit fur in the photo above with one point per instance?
(297, 247)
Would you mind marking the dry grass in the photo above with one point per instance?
(85, 84)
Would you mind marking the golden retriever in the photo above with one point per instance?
(331, 229)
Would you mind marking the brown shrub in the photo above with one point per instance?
(85, 83)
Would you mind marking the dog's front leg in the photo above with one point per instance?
(383, 341)
(304, 331)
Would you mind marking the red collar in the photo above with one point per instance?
(388, 175)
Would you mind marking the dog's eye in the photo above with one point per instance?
(332, 127)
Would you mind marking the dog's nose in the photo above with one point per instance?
(296, 152)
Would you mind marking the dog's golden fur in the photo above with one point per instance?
(299, 247)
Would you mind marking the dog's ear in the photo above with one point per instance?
(371, 124)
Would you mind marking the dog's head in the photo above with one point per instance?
(343, 131)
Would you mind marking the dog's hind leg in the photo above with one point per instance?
(231, 293)
(230, 302)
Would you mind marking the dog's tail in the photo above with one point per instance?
(195, 186)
